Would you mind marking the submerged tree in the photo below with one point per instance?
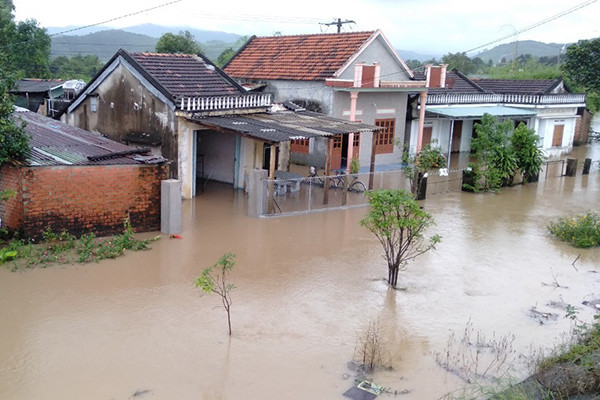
(214, 280)
(529, 156)
(396, 219)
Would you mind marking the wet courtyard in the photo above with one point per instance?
(306, 286)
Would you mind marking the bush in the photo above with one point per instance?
(581, 231)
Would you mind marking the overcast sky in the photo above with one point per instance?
(424, 26)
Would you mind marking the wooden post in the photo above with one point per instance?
(571, 167)
(271, 206)
(372, 166)
(586, 166)
(327, 170)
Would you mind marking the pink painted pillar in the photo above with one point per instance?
(353, 98)
(421, 120)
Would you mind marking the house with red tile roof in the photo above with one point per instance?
(455, 103)
(192, 113)
(357, 76)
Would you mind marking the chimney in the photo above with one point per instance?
(358, 73)
(436, 75)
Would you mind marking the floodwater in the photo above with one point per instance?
(136, 328)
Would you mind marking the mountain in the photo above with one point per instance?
(412, 55)
(509, 51)
(106, 42)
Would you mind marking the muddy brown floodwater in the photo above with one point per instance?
(306, 285)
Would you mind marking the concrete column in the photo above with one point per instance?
(421, 120)
(170, 206)
(256, 192)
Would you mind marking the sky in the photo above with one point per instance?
(434, 27)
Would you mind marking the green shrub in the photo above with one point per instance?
(581, 231)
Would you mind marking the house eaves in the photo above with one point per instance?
(377, 34)
(282, 126)
(122, 58)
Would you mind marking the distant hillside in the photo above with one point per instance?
(105, 43)
(509, 51)
(412, 55)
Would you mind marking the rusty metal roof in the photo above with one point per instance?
(283, 125)
(56, 143)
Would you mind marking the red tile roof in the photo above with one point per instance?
(300, 57)
(186, 75)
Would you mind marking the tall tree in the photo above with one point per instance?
(460, 61)
(581, 70)
(582, 64)
(182, 43)
(25, 47)
(14, 142)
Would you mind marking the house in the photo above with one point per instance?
(45, 96)
(356, 76)
(79, 181)
(192, 113)
(455, 103)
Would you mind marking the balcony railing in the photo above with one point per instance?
(217, 103)
(477, 98)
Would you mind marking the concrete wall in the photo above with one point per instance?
(309, 91)
(126, 103)
(81, 199)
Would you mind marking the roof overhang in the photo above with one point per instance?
(477, 112)
(283, 126)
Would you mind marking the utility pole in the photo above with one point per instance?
(339, 23)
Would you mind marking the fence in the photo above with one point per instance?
(296, 195)
(309, 194)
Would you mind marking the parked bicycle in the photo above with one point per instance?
(355, 185)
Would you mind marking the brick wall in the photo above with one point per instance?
(582, 128)
(83, 199)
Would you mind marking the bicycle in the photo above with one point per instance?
(337, 182)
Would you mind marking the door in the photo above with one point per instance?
(456, 136)
(427, 131)
(557, 137)
(336, 153)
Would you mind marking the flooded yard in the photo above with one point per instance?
(135, 327)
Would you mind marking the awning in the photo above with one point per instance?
(477, 112)
(282, 126)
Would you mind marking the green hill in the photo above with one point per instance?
(509, 51)
(106, 43)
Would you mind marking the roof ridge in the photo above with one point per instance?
(319, 34)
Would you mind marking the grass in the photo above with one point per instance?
(581, 231)
(64, 248)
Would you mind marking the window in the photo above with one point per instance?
(384, 141)
(94, 104)
(300, 146)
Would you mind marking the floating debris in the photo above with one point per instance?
(365, 390)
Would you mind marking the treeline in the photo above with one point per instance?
(522, 67)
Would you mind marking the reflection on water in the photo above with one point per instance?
(306, 286)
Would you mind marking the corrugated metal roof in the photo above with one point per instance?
(56, 143)
(282, 126)
(477, 112)
(37, 85)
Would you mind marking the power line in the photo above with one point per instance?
(117, 18)
(539, 23)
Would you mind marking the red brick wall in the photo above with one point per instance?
(83, 199)
(582, 128)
